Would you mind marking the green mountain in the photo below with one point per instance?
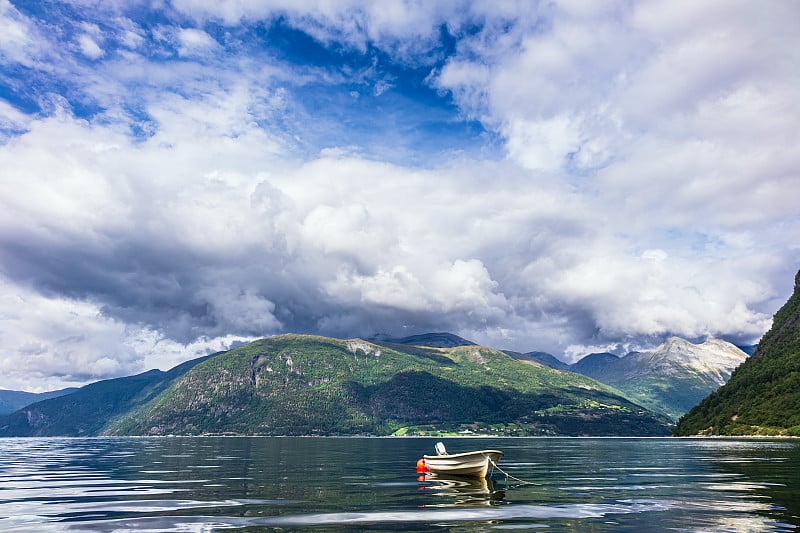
(12, 400)
(669, 379)
(762, 396)
(299, 384)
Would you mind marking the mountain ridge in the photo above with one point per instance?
(595, 365)
(542, 358)
(300, 384)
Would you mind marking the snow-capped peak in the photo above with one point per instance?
(714, 358)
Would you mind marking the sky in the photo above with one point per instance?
(178, 177)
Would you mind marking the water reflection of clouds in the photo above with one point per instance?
(741, 486)
(751, 459)
(741, 446)
(615, 487)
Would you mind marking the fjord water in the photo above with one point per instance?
(358, 484)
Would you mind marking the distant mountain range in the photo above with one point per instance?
(11, 400)
(88, 410)
(543, 358)
(670, 379)
(299, 384)
(762, 396)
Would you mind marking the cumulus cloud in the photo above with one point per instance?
(20, 40)
(89, 39)
(11, 119)
(53, 341)
(408, 27)
(643, 189)
(194, 42)
(89, 47)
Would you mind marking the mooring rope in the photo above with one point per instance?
(509, 476)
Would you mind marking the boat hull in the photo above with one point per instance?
(476, 463)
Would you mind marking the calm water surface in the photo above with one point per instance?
(370, 484)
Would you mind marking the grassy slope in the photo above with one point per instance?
(763, 395)
(295, 384)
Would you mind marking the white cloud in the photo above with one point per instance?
(408, 26)
(195, 42)
(11, 118)
(89, 41)
(620, 90)
(463, 287)
(647, 188)
(659, 294)
(347, 229)
(20, 41)
(542, 145)
(55, 342)
(236, 309)
(128, 32)
(469, 83)
(89, 47)
(467, 287)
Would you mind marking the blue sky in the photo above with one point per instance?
(359, 94)
(177, 177)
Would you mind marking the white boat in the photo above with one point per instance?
(477, 463)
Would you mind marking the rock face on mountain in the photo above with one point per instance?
(299, 384)
(762, 396)
(670, 379)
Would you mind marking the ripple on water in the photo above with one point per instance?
(354, 519)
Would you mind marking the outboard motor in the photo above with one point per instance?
(440, 449)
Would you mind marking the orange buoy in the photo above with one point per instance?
(421, 466)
